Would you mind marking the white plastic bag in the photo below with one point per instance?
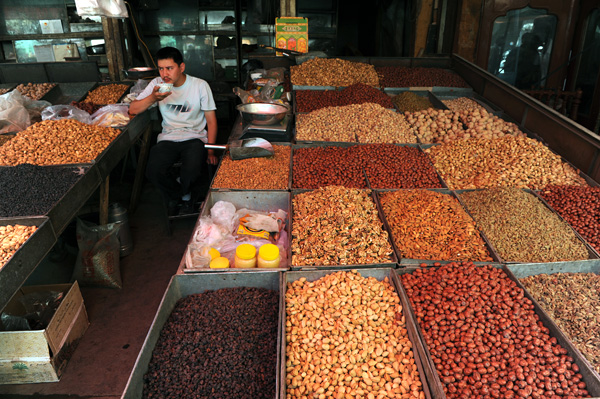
(135, 91)
(223, 213)
(113, 115)
(104, 8)
(17, 111)
(56, 112)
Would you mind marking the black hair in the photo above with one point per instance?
(170, 53)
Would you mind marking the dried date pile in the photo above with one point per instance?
(580, 207)
(88, 106)
(573, 301)
(386, 165)
(358, 93)
(29, 190)
(362, 123)
(337, 226)
(521, 228)
(508, 161)
(346, 337)
(218, 344)
(394, 76)
(268, 173)
(485, 338)
(430, 225)
(333, 72)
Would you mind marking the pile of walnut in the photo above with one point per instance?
(335, 225)
(64, 141)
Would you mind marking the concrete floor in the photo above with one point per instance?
(119, 318)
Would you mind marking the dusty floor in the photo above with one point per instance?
(119, 318)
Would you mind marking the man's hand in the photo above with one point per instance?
(212, 158)
(160, 96)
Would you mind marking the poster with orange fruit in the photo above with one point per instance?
(291, 33)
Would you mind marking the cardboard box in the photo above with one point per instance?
(42, 355)
(291, 33)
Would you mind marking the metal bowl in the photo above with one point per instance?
(262, 113)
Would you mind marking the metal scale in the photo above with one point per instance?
(279, 132)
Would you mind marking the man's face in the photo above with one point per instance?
(170, 72)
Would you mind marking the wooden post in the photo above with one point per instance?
(114, 43)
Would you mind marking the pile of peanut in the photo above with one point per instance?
(508, 161)
(5, 137)
(346, 337)
(335, 225)
(4, 91)
(362, 123)
(11, 239)
(269, 173)
(333, 72)
(35, 91)
(106, 94)
(55, 142)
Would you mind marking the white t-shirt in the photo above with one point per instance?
(183, 110)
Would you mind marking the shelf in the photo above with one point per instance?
(68, 35)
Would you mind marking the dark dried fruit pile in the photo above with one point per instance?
(218, 344)
(358, 93)
(29, 190)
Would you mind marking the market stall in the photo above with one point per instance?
(435, 225)
(62, 162)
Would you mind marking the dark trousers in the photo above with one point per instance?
(165, 154)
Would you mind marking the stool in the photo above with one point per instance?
(199, 193)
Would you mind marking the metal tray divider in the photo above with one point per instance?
(422, 149)
(431, 374)
(589, 374)
(48, 95)
(423, 366)
(66, 208)
(481, 232)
